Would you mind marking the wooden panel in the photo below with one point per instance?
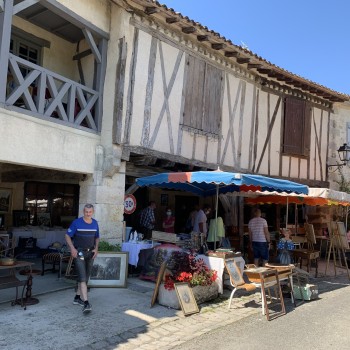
(194, 90)
(293, 126)
(212, 100)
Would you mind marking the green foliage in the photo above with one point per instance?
(344, 185)
(104, 246)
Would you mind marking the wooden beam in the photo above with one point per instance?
(171, 20)
(202, 37)
(151, 10)
(81, 55)
(231, 53)
(23, 5)
(264, 70)
(242, 60)
(90, 40)
(188, 30)
(218, 46)
(254, 65)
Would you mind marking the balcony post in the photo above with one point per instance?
(5, 39)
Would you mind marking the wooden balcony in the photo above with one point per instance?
(49, 95)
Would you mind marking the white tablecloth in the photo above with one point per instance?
(134, 250)
(44, 238)
(218, 265)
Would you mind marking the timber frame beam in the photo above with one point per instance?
(241, 56)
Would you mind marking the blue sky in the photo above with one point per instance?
(310, 38)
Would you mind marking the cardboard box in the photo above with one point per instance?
(307, 292)
(165, 237)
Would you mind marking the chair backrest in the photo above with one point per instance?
(233, 270)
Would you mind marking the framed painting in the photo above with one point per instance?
(158, 282)
(186, 299)
(109, 269)
(5, 200)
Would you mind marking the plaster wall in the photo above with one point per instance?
(34, 142)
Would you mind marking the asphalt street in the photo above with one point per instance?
(319, 324)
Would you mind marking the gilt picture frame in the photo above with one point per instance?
(109, 269)
(186, 299)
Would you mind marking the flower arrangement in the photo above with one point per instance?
(189, 268)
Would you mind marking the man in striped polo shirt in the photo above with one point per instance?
(84, 232)
(259, 238)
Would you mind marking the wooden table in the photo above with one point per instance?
(265, 278)
(10, 281)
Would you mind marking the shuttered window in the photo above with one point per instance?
(202, 91)
(297, 127)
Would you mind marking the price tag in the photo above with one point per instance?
(129, 204)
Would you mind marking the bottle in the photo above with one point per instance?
(81, 255)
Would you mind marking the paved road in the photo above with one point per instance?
(321, 324)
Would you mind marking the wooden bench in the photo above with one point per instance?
(11, 281)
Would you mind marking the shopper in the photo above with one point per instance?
(169, 222)
(82, 238)
(147, 220)
(259, 238)
(200, 221)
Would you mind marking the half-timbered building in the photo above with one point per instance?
(96, 93)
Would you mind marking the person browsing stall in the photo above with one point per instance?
(169, 222)
(83, 237)
(200, 221)
(259, 238)
(148, 220)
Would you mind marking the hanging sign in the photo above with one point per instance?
(129, 204)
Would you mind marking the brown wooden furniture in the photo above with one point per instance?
(265, 279)
(309, 254)
(53, 259)
(10, 280)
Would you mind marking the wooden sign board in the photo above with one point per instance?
(342, 241)
(158, 282)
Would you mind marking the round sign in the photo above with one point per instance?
(129, 204)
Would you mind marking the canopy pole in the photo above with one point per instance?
(287, 215)
(216, 215)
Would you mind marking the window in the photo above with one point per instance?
(26, 50)
(202, 109)
(53, 200)
(297, 127)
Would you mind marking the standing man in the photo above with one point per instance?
(147, 220)
(85, 234)
(200, 221)
(259, 238)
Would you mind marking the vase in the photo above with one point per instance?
(201, 294)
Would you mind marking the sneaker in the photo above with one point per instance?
(87, 308)
(78, 301)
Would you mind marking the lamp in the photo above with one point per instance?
(344, 155)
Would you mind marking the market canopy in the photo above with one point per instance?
(316, 196)
(208, 183)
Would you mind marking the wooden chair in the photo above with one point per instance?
(53, 259)
(309, 254)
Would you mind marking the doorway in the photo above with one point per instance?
(183, 207)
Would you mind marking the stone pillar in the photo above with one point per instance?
(105, 190)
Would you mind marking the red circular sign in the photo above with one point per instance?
(129, 204)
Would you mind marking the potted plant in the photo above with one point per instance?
(184, 267)
(105, 246)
